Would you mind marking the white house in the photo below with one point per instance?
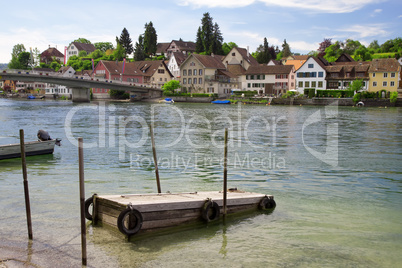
(175, 61)
(311, 74)
(74, 49)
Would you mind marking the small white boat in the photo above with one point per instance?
(45, 145)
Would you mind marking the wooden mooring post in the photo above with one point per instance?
(155, 159)
(225, 174)
(26, 189)
(82, 200)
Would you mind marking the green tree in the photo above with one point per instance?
(374, 46)
(55, 65)
(351, 46)
(139, 54)
(125, 41)
(227, 47)
(82, 53)
(333, 52)
(286, 49)
(356, 85)
(17, 49)
(207, 30)
(171, 86)
(363, 54)
(119, 53)
(199, 47)
(103, 46)
(263, 53)
(82, 41)
(150, 39)
(24, 58)
(96, 54)
(217, 39)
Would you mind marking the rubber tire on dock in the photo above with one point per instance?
(214, 207)
(127, 213)
(267, 203)
(88, 203)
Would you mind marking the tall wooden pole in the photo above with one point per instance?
(155, 159)
(82, 200)
(225, 174)
(26, 189)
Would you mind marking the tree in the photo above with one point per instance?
(125, 41)
(97, 54)
(199, 47)
(351, 46)
(82, 54)
(227, 47)
(285, 49)
(150, 39)
(171, 86)
(139, 54)
(333, 52)
(323, 45)
(217, 39)
(103, 46)
(356, 85)
(207, 29)
(263, 53)
(374, 46)
(18, 55)
(119, 53)
(82, 41)
(363, 54)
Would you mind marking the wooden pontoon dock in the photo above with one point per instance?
(146, 212)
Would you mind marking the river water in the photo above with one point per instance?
(335, 173)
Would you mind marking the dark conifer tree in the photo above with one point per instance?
(217, 40)
(150, 39)
(125, 41)
(207, 30)
(198, 42)
(139, 54)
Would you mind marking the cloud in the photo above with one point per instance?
(323, 6)
(363, 31)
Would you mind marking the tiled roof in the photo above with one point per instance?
(247, 56)
(141, 68)
(87, 47)
(296, 63)
(272, 69)
(301, 57)
(214, 61)
(236, 69)
(53, 52)
(384, 65)
(180, 57)
(161, 47)
(185, 45)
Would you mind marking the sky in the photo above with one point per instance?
(303, 23)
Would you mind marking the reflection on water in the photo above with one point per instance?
(344, 215)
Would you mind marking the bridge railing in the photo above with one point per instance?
(55, 74)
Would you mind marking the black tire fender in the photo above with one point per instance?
(88, 203)
(267, 203)
(134, 219)
(210, 211)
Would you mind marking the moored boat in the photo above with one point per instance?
(221, 102)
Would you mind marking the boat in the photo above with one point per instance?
(31, 97)
(167, 100)
(221, 102)
(45, 145)
(360, 104)
(133, 214)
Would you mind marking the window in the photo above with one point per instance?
(200, 72)
(184, 81)
(189, 72)
(374, 84)
(320, 74)
(248, 84)
(292, 77)
(392, 83)
(385, 75)
(313, 74)
(384, 84)
(184, 72)
(195, 81)
(320, 84)
(200, 81)
(252, 77)
(392, 75)
(373, 74)
(161, 71)
(195, 71)
(300, 84)
(307, 84)
(313, 84)
(311, 65)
